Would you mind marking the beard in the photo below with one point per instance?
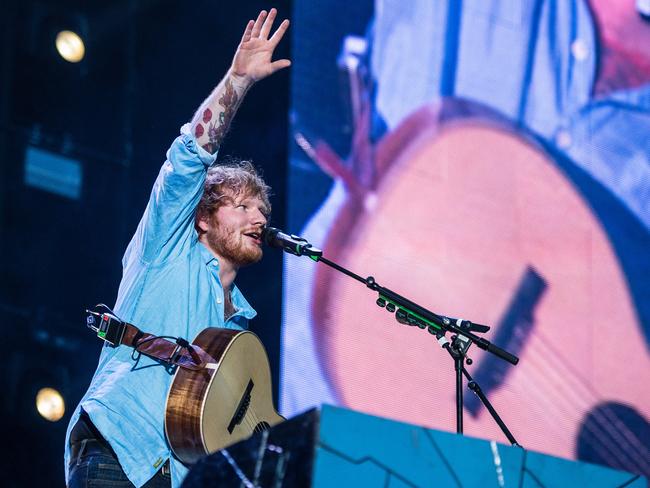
(232, 245)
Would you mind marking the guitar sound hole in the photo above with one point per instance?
(614, 424)
(261, 427)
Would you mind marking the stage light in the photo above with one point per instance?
(50, 404)
(70, 46)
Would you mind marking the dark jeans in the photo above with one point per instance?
(93, 462)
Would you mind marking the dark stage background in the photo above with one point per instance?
(148, 66)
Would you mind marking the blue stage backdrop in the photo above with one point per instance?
(490, 161)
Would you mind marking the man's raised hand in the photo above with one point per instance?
(253, 61)
(253, 58)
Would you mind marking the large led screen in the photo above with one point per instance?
(488, 160)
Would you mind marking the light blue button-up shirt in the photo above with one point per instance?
(170, 286)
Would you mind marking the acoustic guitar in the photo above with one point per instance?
(470, 215)
(229, 400)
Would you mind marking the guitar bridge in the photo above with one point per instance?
(242, 408)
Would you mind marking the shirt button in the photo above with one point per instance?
(219, 300)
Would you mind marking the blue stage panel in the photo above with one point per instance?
(332, 447)
(355, 449)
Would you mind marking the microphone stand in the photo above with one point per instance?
(410, 313)
(457, 349)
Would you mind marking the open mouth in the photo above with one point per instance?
(256, 236)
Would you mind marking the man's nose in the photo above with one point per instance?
(259, 218)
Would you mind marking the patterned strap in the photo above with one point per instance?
(180, 353)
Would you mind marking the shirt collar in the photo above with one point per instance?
(240, 303)
(206, 256)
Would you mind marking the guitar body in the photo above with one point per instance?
(224, 403)
(475, 219)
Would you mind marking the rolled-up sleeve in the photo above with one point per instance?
(168, 221)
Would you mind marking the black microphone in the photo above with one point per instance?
(292, 244)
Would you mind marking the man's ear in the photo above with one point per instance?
(202, 223)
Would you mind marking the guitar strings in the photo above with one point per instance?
(592, 397)
(229, 389)
(605, 433)
(586, 398)
(252, 422)
(607, 425)
(550, 403)
(589, 392)
(553, 401)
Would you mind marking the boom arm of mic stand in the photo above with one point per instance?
(442, 322)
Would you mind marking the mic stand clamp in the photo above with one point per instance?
(457, 349)
(303, 248)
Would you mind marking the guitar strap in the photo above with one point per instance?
(116, 332)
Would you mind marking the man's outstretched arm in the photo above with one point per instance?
(252, 62)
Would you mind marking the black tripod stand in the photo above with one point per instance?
(457, 349)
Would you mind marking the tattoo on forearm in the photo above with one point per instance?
(217, 129)
(207, 115)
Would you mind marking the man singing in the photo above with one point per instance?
(202, 223)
